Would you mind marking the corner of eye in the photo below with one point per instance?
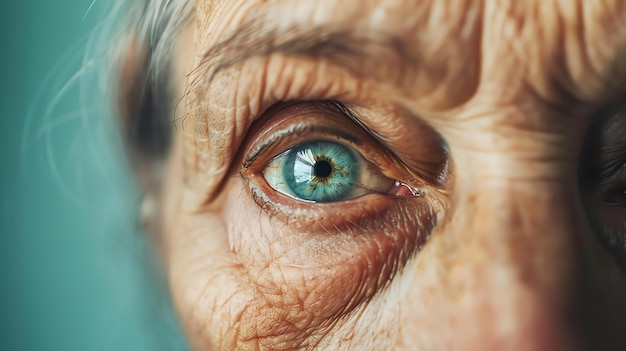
(246, 164)
(245, 175)
(401, 189)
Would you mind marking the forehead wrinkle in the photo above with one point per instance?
(561, 53)
(610, 24)
(356, 50)
(428, 43)
(592, 48)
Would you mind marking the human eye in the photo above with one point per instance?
(324, 171)
(604, 179)
(312, 155)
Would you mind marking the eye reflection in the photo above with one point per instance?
(323, 171)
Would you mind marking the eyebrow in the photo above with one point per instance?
(363, 52)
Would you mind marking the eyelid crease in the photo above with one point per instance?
(294, 129)
(349, 113)
(612, 167)
(330, 107)
(438, 178)
(611, 159)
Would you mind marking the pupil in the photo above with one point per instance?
(322, 169)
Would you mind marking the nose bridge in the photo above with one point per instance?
(504, 268)
(523, 229)
(517, 256)
(516, 215)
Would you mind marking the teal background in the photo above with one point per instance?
(76, 272)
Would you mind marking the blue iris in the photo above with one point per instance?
(321, 171)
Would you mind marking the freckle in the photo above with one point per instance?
(472, 199)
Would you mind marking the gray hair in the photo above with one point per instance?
(145, 101)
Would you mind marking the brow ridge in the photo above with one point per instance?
(365, 53)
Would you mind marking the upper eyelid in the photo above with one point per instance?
(349, 113)
(609, 172)
(606, 145)
(331, 107)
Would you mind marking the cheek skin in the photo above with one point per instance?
(480, 290)
(308, 274)
(245, 279)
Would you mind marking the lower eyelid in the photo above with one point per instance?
(368, 217)
(317, 218)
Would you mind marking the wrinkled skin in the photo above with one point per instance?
(483, 106)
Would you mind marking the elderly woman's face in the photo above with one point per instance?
(409, 175)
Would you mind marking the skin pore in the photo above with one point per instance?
(486, 109)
